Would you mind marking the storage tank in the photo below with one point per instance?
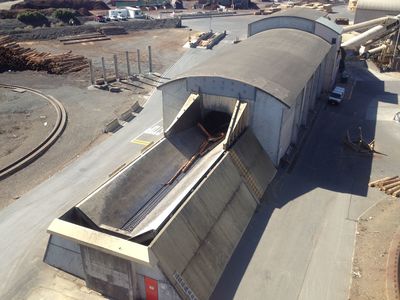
(372, 9)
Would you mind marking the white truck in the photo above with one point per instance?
(337, 95)
(134, 13)
(118, 14)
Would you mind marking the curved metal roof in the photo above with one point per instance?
(278, 62)
(301, 12)
(305, 13)
(387, 5)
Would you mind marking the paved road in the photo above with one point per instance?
(23, 224)
(299, 245)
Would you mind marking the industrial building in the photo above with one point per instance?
(166, 225)
(372, 9)
(279, 71)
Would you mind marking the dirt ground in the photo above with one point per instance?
(376, 229)
(89, 110)
(20, 115)
(166, 45)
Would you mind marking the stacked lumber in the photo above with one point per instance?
(15, 57)
(113, 30)
(389, 185)
(84, 38)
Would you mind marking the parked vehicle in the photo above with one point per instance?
(101, 19)
(134, 13)
(337, 95)
(121, 17)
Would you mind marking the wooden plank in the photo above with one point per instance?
(382, 184)
(87, 40)
(374, 183)
(393, 190)
(391, 185)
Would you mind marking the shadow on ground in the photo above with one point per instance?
(324, 162)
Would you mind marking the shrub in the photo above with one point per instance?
(33, 18)
(65, 15)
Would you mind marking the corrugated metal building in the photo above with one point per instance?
(372, 9)
(279, 72)
(138, 236)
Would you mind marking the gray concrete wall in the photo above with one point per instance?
(110, 275)
(189, 117)
(254, 165)
(65, 255)
(218, 86)
(297, 119)
(307, 104)
(174, 95)
(363, 15)
(199, 240)
(286, 131)
(218, 103)
(280, 22)
(265, 123)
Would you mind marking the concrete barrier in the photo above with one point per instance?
(136, 107)
(126, 116)
(113, 126)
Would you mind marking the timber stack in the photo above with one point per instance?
(389, 185)
(17, 58)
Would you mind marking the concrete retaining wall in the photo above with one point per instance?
(109, 275)
(56, 32)
(196, 244)
(65, 255)
(140, 181)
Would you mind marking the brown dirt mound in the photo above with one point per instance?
(74, 4)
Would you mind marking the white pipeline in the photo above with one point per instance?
(365, 36)
(364, 25)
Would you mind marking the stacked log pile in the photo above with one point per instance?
(17, 58)
(390, 185)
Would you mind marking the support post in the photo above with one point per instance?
(395, 47)
(91, 72)
(104, 70)
(150, 62)
(128, 67)
(138, 61)
(116, 67)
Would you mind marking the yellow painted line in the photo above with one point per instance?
(140, 142)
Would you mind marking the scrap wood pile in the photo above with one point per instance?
(390, 185)
(359, 144)
(15, 57)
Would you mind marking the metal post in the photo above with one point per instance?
(104, 70)
(91, 72)
(138, 62)
(150, 64)
(116, 67)
(128, 67)
(395, 47)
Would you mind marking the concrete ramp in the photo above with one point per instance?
(114, 203)
(194, 247)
